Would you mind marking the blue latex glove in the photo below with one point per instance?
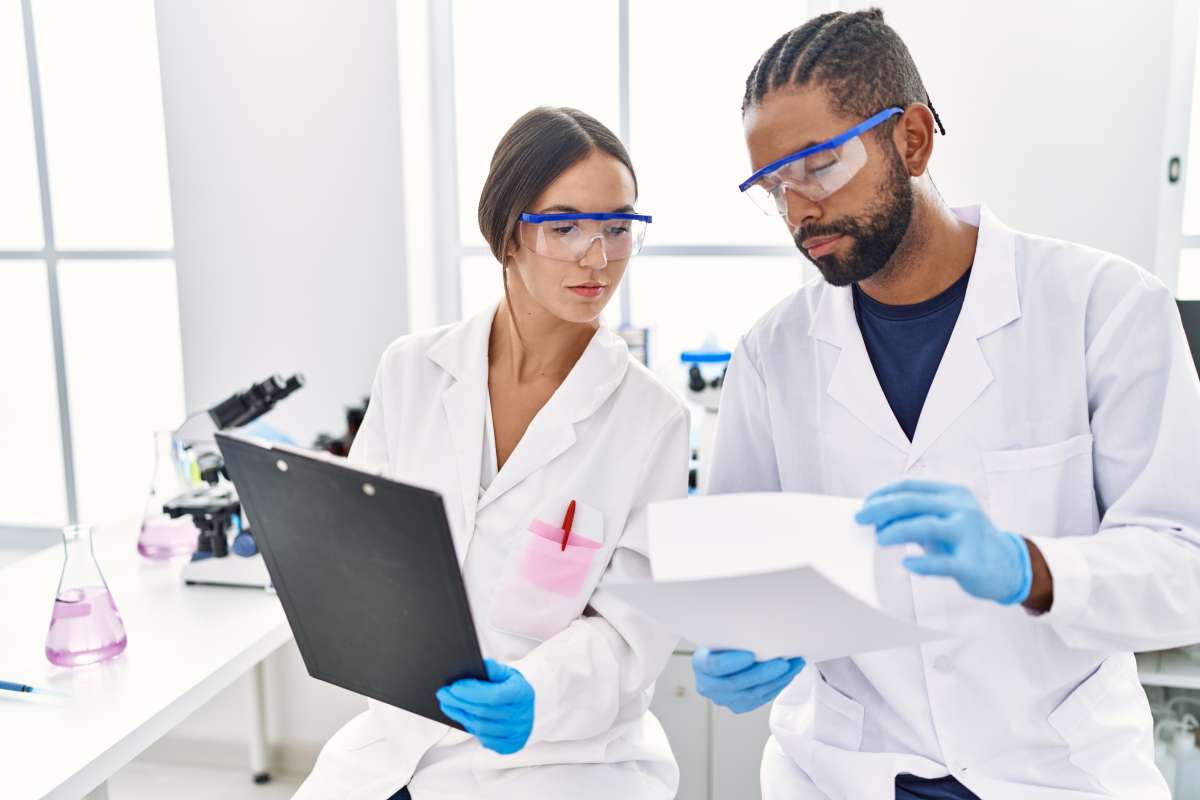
(960, 542)
(734, 679)
(498, 711)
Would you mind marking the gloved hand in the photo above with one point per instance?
(959, 540)
(734, 679)
(498, 711)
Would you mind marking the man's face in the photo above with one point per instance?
(851, 234)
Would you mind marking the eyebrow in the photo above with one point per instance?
(560, 209)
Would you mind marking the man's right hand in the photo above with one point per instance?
(732, 678)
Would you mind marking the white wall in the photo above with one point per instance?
(1053, 111)
(283, 132)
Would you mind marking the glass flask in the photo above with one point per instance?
(161, 536)
(85, 627)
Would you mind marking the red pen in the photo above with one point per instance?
(566, 526)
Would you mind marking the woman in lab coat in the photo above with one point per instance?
(515, 416)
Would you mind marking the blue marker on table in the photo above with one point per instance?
(26, 688)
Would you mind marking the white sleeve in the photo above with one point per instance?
(606, 662)
(370, 449)
(743, 458)
(1135, 584)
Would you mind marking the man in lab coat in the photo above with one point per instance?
(1032, 413)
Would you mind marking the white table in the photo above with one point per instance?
(186, 644)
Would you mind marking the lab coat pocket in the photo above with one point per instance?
(837, 720)
(1101, 722)
(546, 586)
(1043, 491)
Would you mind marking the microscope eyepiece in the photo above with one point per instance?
(242, 408)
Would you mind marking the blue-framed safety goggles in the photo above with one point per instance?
(814, 172)
(569, 237)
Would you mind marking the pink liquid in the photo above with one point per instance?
(163, 537)
(85, 628)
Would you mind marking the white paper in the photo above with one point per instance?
(794, 612)
(740, 534)
(780, 574)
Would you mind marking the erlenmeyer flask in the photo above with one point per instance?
(161, 536)
(85, 626)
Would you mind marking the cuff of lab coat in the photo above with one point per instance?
(1071, 575)
(540, 675)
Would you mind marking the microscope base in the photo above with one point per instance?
(232, 570)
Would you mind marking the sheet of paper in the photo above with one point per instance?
(792, 612)
(740, 534)
(780, 574)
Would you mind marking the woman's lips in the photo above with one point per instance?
(588, 290)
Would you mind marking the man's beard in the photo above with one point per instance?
(874, 237)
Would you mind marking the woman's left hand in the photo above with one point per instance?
(498, 711)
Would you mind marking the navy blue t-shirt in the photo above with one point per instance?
(906, 344)
(910, 787)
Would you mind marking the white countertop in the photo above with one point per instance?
(186, 644)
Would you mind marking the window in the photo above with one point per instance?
(688, 149)
(86, 262)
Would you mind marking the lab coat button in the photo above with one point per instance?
(942, 663)
(917, 468)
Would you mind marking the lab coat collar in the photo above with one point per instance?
(991, 303)
(463, 353)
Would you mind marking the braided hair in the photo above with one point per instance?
(857, 57)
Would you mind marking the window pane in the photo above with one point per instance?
(1189, 275)
(31, 471)
(686, 301)
(105, 141)
(124, 377)
(481, 284)
(20, 210)
(1191, 200)
(686, 126)
(509, 59)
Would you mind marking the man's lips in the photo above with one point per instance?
(818, 246)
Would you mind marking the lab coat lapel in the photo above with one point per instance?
(589, 384)
(462, 352)
(853, 383)
(991, 303)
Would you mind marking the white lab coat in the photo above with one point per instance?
(1067, 401)
(613, 438)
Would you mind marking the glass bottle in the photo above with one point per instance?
(161, 536)
(85, 626)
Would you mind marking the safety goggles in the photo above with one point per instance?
(815, 172)
(569, 237)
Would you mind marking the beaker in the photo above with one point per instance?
(85, 626)
(161, 536)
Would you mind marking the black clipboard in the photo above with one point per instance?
(366, 571)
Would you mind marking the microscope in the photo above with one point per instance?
(214, 507)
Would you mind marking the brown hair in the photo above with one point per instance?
(541, 145)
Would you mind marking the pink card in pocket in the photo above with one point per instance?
(546, 564)
(555, 534)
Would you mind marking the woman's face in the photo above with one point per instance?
(573, 291)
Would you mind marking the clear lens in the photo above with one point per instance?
(814, 178)
(571, 239)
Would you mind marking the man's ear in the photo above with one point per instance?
(913, 136)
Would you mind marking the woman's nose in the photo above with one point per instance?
(595, 256)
